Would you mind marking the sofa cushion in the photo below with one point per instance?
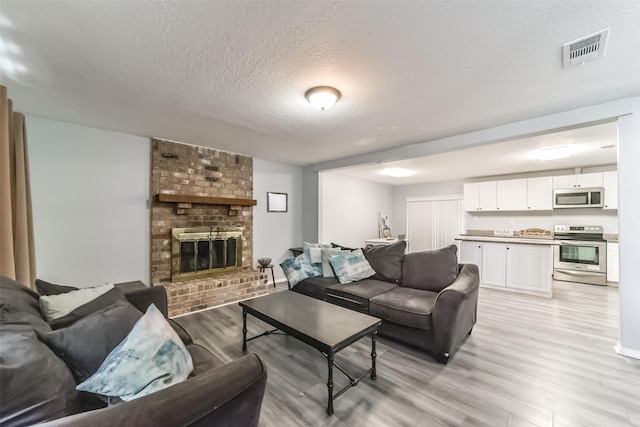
(86, 344)
(19, 308)
(351, 266)
(344, 248)
(405, 306)
(315, 287)
(386, 260)
(35, 384)
(203, 360)
(430, 270)
(151, 358)
(356, 295)
(57, 306)
(46, 288)
(104, 300)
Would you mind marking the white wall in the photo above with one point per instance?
(90, 191)
(349, 209)
(629, 209)
(275, 232)
(310, 199)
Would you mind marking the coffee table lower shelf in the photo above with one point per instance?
(327, 347)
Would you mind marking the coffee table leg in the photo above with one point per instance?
(373, 354)
(330, 384)
(244, 330)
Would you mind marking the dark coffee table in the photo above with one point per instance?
(326, 327)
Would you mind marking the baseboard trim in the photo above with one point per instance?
(626, 351)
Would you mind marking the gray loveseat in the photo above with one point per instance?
(425, 299)
(37, 386)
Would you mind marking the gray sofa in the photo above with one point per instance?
(36, 386)
(425, 299)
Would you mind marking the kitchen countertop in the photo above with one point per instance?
(499, 239)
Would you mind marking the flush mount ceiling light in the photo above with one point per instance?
(322, 97)
(554, 153)
(397, 172)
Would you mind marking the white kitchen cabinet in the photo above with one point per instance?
(610, 184)
(540, 193)
(493, 265)
(514, 267)
(529, 267)
(613, 262)
(511, 195)
(578, 180)
(480, 196)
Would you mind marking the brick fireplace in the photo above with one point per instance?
(209, 192)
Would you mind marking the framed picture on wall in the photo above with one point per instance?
(277, 202)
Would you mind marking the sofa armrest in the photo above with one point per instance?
(141, 296)
(228, 395)
(455, 309)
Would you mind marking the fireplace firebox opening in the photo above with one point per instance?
(205, 251)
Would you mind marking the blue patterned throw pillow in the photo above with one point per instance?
(152, 357)
(298, 268)
(314, 253)
(351, 266)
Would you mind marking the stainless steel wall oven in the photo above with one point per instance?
(580, 255)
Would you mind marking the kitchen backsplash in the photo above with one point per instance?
(544, 220)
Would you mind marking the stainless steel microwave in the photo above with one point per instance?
(578, 198)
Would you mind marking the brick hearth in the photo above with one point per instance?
(193, 295)
(201, 173)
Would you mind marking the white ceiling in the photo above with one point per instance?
(232, 74)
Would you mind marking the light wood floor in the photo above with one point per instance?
(530, 361)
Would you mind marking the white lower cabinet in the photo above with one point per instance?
(529, 267)
(516, 267)
(493, 265)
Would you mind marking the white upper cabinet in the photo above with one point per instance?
(610, 184)
(511, 195)
(540, 193)
(480, 196)
(471, 197)
(488, 196)
(578, 180)
(535, 194)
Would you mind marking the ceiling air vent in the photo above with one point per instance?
(585, 49)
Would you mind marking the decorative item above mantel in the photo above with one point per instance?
(187, 198)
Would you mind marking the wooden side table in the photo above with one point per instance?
(263, 268)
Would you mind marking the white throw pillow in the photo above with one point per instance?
(55, 306)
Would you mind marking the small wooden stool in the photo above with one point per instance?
(262, 269)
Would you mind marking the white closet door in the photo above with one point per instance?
(448, 222)
(420, 221)
(433, 224)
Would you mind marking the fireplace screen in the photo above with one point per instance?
(205, 251)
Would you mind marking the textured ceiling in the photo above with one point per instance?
(232, 75)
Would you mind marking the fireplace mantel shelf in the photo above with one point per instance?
(186, 198)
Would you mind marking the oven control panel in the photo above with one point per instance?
(578, 229)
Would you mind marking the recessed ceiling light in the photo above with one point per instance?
(397, 172)
(554, 153)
